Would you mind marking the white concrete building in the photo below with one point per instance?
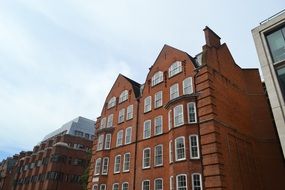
(269, 38)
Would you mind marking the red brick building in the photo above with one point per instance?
(7, 172)
(196, 123)
(59, 161)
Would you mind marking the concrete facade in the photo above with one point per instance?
(212, 128)
(269, 70)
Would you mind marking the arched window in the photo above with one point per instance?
(123, 96)
(175, 68)
(157, 78)
(112, 102)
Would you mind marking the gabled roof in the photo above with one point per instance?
(136, 86)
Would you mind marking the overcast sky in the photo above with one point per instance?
(59, 58)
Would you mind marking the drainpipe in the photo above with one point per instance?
(136, 144)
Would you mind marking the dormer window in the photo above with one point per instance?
(123, 96)
(175, 68)
(112, 102)
(157, 78)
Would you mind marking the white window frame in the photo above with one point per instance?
(178, 115)
(175, 69)
(147, 104)
(195, 112)
(123, 96)
(187, 86)
(130, 112)
(155, 181)
(108, 140)
(155, 125)
(117, 164)
(170, 115)
(120, 138)
(148, 184)
(174, 91)
(156, 156)
(181, 188)
(158, 101)
(110, 120)
(171, 183)
(103, 123)
(145, 127)
(121, 116)
(103, 187)
(97, 166)
(100, 142)
(176, 149)
(113, 187)
(192, 147)
(128, 135)
(170, 148)
(127, 162)
(200, 180)
(124, 184)
(112, 102)
(105, 166)
(149, 158)
(157, 78)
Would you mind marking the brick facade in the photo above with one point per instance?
(215, 132)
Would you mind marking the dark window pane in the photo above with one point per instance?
(276, 44)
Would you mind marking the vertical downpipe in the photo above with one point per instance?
(136, 144)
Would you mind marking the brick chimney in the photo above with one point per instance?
(212, 39)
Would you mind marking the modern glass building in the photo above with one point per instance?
(269, 38)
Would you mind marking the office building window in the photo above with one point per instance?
(276, 43)
(119, 141)
(157, 78)
(158, 99)
(112, 102)
(181, 182)
(180, 149)
(175, 68)
(158, 125)
(123, 96)
(130, 114)
(100, 142)
(147, 129)
(121, 117)
(117, 165)
(147, 104)
(194, 147)
(127, 160)
(196, 181)
(105, 166)
(174, 91)
(128, 135)
(97, 166)
(158, 155)
(146, 158)
(108, 141)
(146, 185)
(178, 116)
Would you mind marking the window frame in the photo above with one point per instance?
(121, 116)
(149, 158)
(124, 184)
(144, 129)
(105, 168)
(129, 162)
(156, 156)
(106, 142)
(158, 99)
(186, 86)
(177, 176)
(123, 96)
(110, 120)
(103, 123)
(176, 149)
(188, 112)
(160, 117)
(170, 149)
(117, 164)
(100, 143)
(130, 112)
(97, 168)
(102, 187)
(157, 78)
(200, 181)
(113, 186)
(158, 179)
(120, 138)
(197, 147)
(176, 115)
(174, 91)
(129, 129)
(148, 184)
(112, 102)
(175, 68)
(147, 104)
